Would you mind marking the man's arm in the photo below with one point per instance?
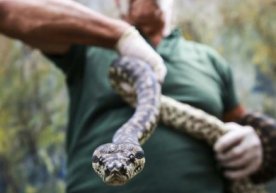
(54, 25)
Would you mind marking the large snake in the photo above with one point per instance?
(118, 162)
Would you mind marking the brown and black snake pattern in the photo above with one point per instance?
(118, 162)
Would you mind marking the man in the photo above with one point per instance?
(69, 34)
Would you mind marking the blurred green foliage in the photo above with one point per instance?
(32, 121)
(33, 99)
(244, 33)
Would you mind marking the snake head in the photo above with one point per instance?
(116, 164)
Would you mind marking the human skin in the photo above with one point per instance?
(54, 26)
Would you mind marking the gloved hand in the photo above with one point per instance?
(133, 44)
(239, 151)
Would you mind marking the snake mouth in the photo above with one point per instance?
(116, 179)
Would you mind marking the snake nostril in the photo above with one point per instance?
(107, 172)
(115, 169)
(123, 170)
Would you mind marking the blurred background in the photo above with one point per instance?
(33, 98)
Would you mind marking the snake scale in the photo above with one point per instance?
(118, 162)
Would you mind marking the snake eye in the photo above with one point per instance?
(139, 155)
(95, 159)
(131, 158)
(101, 161)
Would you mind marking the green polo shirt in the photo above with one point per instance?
(175, 162)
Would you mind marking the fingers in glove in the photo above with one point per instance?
(249, 169)
(228, 141)
(234, 154)
(239, 162)
(238, 151)
(132, 44)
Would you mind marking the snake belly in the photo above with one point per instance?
(136, 83)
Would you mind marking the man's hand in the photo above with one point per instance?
(133, 44)
(239, 151)
(53, 26)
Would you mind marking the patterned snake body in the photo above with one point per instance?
(116, 163)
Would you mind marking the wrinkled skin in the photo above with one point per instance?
(116, 164)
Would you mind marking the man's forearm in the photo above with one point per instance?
(54, 25)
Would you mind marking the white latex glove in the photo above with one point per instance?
(239, 151)
(133, 44)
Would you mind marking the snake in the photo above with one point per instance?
(117, 162)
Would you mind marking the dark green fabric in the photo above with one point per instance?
(176, 163)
